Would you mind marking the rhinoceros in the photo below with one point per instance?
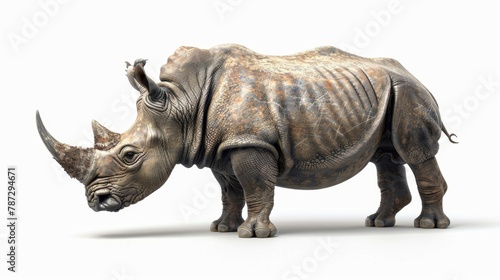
(304, 121)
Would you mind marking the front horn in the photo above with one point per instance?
(76, 161)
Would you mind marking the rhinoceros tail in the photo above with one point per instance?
(450, 136)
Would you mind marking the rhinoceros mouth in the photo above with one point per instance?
(104, 200)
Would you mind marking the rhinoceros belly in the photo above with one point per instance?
(330, 126)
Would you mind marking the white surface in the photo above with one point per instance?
(71, 69)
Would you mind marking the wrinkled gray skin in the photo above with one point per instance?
(304, 121)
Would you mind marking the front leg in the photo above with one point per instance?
(233, 201)
(257, 171)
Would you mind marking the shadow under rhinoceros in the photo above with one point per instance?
(153, 232)
(304, 227)
(291, 228)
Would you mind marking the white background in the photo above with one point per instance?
(67, 62)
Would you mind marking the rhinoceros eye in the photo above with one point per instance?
(130, 157)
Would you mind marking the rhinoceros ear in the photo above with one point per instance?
(130, 72)
(157, 95)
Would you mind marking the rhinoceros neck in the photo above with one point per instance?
(192, 73)
(193, 131)
(193, 123)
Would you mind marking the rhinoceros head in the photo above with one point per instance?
(122, 169)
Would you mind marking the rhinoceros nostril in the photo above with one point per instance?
(103, 198)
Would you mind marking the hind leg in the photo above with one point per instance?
(394, 192)
(416, 129)
(432, 187)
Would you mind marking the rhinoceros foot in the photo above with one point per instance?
(432, 218)
(375, 220)
(256, 228)
(226, 223)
